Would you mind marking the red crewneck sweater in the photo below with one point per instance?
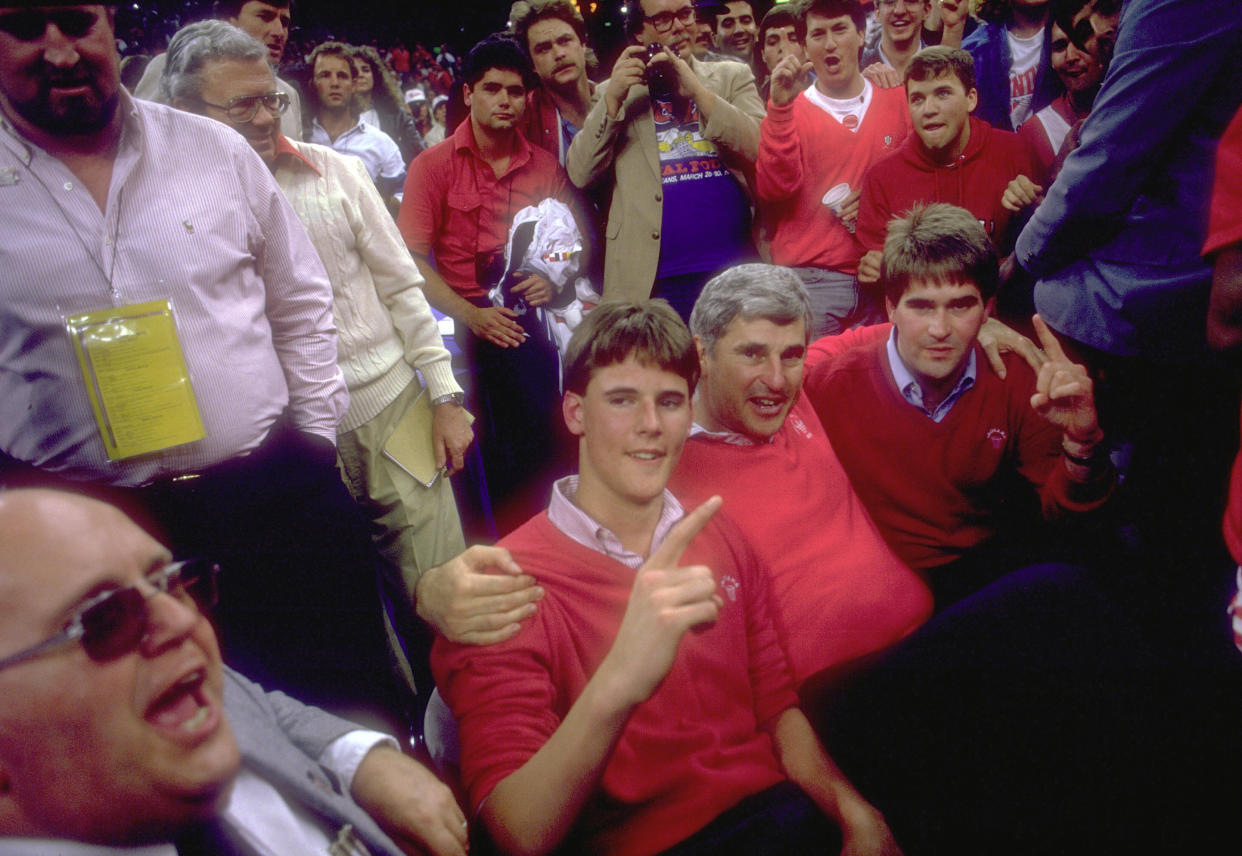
(839, 591)
(933, 488)
(803, 152)
(975, 181)
(688, 753)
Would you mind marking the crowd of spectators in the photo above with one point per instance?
(800, 425)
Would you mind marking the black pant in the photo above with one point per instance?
(299, 609)
(522, 438)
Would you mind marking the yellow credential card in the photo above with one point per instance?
(136, 378)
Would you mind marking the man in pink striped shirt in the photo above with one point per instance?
(113, 205)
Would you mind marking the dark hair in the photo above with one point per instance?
(937, 61)
(526, 13)
(1062, 14)
(722, 8)
(787, 15)
(834, 9)
(498, 50)
(385, 89)
(337, 49)
(650, 331)
(938, 242)
(232, 8)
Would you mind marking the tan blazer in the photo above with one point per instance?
(622, 151)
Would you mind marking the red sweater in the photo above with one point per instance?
(839, 591)
(975, 181)
(933, 488)
(803, 152)
(688, 753)
(1225, 229)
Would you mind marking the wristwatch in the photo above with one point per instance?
(458, 398)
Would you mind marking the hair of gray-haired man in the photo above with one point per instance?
(194, 45)
(750, 291)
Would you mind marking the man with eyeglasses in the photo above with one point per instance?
(122, 732)
(673, 138)
(168, 331)
(266, 20)
(386, 332)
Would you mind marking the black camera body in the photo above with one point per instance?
(659, 76)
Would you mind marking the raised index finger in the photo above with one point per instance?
(668, 554)
(1048, 341)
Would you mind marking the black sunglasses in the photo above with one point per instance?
(29, 25)
(114, 623)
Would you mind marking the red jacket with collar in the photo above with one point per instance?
(975, 181)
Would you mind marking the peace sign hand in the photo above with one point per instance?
(1064, 393)
(665, 602)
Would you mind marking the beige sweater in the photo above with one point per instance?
(385, 328)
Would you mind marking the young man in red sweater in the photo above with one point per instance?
(933, 445)
(815, 145)
(647, 704)
(951, 157)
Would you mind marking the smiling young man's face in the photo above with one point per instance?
(633, 420)
(736, 29)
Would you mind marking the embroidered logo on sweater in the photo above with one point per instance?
(730, 585)
(997, 437)
(799, 426)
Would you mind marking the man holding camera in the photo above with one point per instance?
(672, 136)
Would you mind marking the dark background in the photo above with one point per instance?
(145, 27)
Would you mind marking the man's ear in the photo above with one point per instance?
(972, 98)
(465, 93)
(989, 307)
(571, 409)
(889, 307)
(698, 346)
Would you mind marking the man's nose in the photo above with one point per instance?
(648, 417)
(170, 618)
(59, 50)
(263, 117)
(939, 326)
(774, 373)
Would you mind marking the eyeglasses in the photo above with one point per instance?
(662, 22)
(244, 108)
(115, 622)
(29, 25)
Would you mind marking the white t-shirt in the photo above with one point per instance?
(848, 111)
(1026, 56)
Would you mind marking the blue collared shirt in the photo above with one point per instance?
(913, 393)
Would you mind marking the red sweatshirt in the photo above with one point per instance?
(688, 753)
(839, 591)
(1225, 230)
(933, 488)
(975, 181)
(803, 152)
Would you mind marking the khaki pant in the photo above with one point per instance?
(414, 527)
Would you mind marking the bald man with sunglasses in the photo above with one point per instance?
(121, 728)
